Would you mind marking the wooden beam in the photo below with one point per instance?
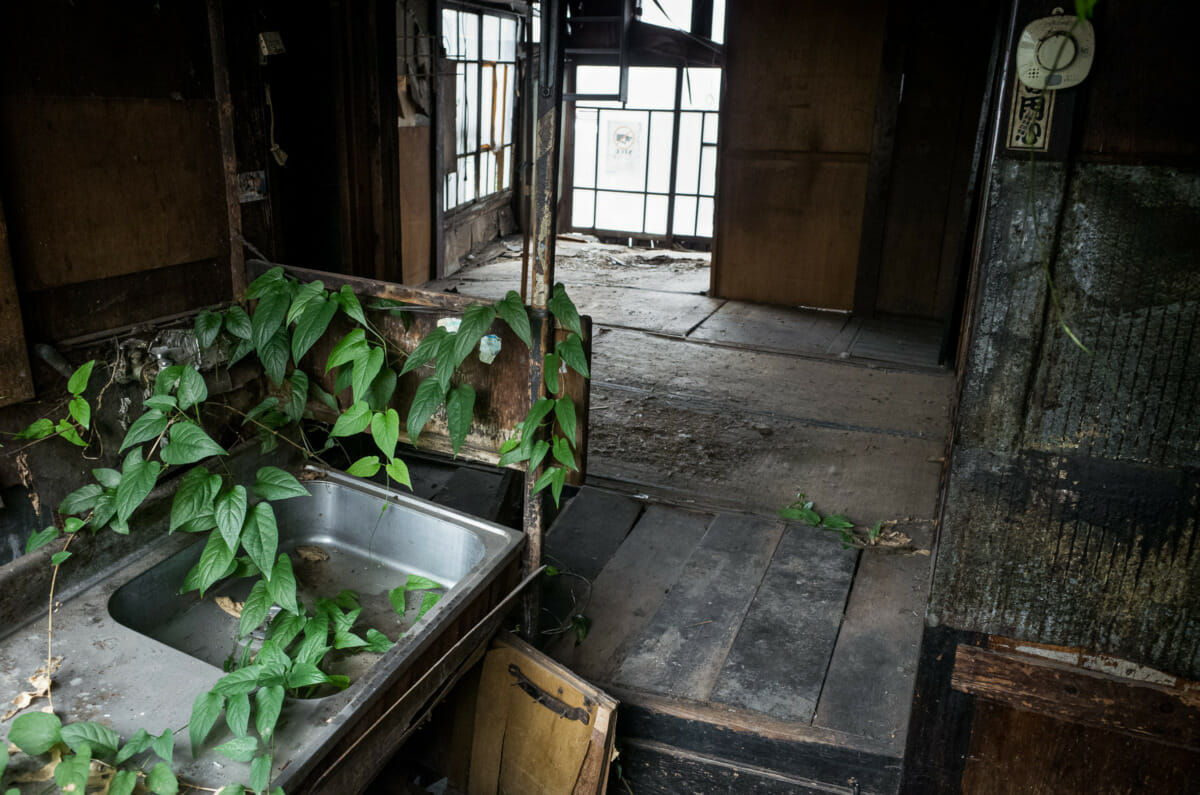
(1077, 695)
(16, 379)
(375, 288)
(220, 64)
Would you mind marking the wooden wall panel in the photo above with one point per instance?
(16, 381)
(793, 234)
(799, 105)
(108, 187)
(416, 243)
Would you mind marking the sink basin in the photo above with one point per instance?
(349, 534)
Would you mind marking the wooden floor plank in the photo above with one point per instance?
(631, 587)
(868, 690)
(682, 649)
(778, 660)
(590, 529)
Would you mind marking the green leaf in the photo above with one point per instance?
(194, 497)
(73, 524)
(269, 315)
(297, 396)
(205, 711)
(237, 323)
(122, 783)
(377, 642)
(192, 389)
(80, 411)
(836, 522)
(428, 600)
(460, 409)
(304, 674)
(444, 368)
(564, 412)
(313, 323)
(67, 431)
(35, 732)
(426, 401)
(353, 420)
(108, 478)
(268, 702)
(243, 349)
(364, 467)
(208, 325)
(306, 295)
(230, 513)
(273, 483)
(59, 558)
(38, 429)
(540, 448)
(260, 536)
(274, 355)
(345, 639)
(426, 349)
(552, 571)
(347, 349)
(285, 627)
(366, 367)
(164, 745)
(385, 430)
(71, 774)
(237, 714)
(214, 563)
(513, 313)
(476, 321)
(260, 772)
(397, 470)
(416, 582)
(397, 597)
(801, 514)
(105, 509)
(162, 781)
(82, 499)
(243, 680)
(255, 609)
(144, 428)
(282, 585)
(240, 749)
(103, 740)
(166, 379)
(326, 398)
(550, 364)
(260, 286)
(563, 454)
(546, 479)
(189, 444)
(350, 305)
(163, 403)
(571, 351)
(534, 418)
(78, 381)
(139, 742)
(137, 481)
(563, 309)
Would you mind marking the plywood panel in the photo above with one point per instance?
(789, 233)
(108, 187)
(415, 206)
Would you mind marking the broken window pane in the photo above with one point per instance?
(672, 14)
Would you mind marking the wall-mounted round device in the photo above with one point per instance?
(1055, 52)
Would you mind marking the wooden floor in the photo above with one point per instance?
(750, 654)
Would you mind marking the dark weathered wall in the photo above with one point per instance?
(1071, 507)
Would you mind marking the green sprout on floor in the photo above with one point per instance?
(801, 509)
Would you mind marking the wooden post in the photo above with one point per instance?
(548, 122)
(220, 63)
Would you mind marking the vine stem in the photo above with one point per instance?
(50, 624)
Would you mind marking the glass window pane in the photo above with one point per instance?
(491, 38)
(598, 80)
(470, 36)
(622, 150)
(718, 23)
(487, 134)
(704, 218)
(688, 173)
(708, 170)
(451, 195)
(652, 88)
(662, 128)
(656, 215)
(701, 89)
(678, 13)
(461, 111)
(583, 209)
(471, 98)
(711, 122)
(685, 216)
(620, 212)
(585, 147)
(506, 168)
(450, 34)
(509, 74)
(508, 39)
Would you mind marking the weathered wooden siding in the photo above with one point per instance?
(1071, 507)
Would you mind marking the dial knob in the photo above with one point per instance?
(1056, 51)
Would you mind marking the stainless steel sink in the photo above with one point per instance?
(349, 535)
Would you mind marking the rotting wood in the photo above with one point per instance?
(1075, 695)
(16, 379)
(375, 288)
(220, 64)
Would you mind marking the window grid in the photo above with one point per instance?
(483, 47)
